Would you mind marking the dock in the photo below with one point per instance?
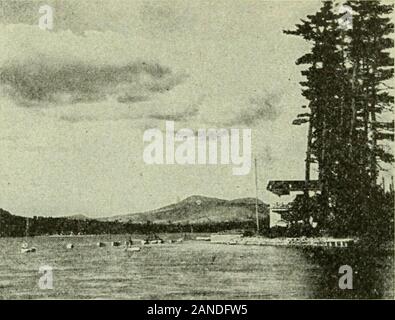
(236, 239)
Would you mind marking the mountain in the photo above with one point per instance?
(206, 214)
(198, 209)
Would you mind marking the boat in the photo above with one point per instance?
(25, 245)
(132, 249)
(152, 239)
(160, 241)
(203, 238)
(26, 249)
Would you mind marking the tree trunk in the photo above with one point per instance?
(353, 107)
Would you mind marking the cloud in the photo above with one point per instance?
(52, 80)
(182, 106)
(174, 105)
(131, 99)
(103, 76)
(166, 17)
(242, 110)
(41, 69)
(260, 108)
(175, 116)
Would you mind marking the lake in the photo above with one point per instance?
(187, 270)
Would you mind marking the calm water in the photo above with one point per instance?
(189, 270)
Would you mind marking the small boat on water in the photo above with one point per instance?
(203, 238)
(129, 246)
(25, 245)
(152, 239)
(101, 244)
(156, 241)
(26, 249)
(132, 249)
(70, 246)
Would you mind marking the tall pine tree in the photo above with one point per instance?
(348, 93)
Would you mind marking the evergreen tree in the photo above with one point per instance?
(369, 54)
(348, 93)
(323, 89)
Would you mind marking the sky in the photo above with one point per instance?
(76, 100)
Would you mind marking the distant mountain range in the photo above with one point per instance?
(198, 209)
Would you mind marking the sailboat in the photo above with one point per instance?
(129, 246)
(25, 245)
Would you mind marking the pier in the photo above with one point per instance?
(237, 239)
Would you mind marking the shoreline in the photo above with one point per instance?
(234, 239)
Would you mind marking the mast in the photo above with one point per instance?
(256, 198)
(27, 228)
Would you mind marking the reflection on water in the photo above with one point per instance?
(189, 270)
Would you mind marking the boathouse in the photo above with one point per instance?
(287, 187)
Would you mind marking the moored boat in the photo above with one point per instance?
(28, 250)
(25, 245)
(132, 249)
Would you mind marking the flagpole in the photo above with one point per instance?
(256, 197)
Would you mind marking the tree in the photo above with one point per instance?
(348, 95)
(369, 44)
(323, 88)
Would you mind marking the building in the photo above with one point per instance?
(287, 187)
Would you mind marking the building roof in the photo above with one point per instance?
(285, 187)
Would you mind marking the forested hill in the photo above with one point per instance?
(199, 209)
(199, 213)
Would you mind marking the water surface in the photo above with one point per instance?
(188, 270)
